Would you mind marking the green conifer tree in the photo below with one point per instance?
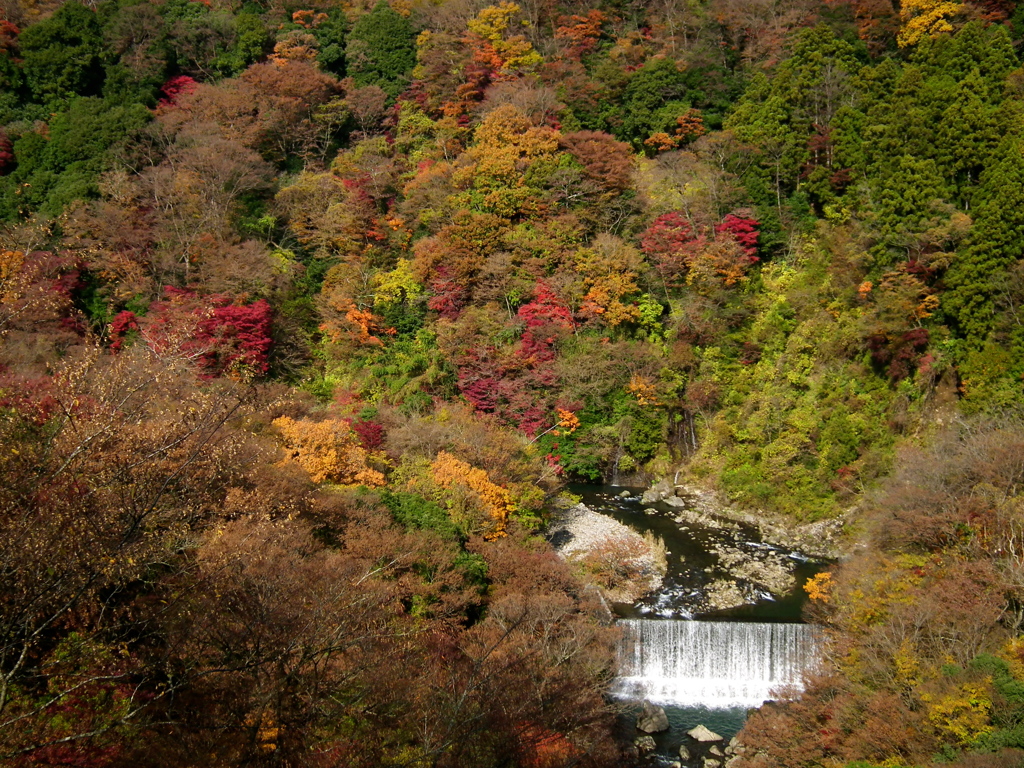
(996, 243)
(63, 55)
(967, 135)
(381, 49)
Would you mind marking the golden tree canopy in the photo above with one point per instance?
(328, 450)
(497, 501)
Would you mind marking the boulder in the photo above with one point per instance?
(684, 754)
(701, 733)
(625, 495)
(725, 593)
(657, 492)
(735, 748)
(732, 762)
(709, 763)
(675, 764)
(716, 751)
(645, 744)
(652, 719)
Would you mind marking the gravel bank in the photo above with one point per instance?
(624, 564)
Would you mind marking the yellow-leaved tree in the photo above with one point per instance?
(925, 17)
(448, 471)
(608, 269)
(495, 45)
(328, 450)
(506, 145)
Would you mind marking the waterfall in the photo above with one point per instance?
(615, 465)
(716, 664)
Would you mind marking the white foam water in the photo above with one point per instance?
(716, 664)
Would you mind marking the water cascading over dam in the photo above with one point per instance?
(716, 664)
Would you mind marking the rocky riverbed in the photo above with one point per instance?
(744, 573)
(678, 553)
(822, 539)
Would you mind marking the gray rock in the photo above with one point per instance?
(684, 754)
(770, 571)
(822, 539)
(657, 492)
(725, 593)
(701, 733)
(625, 495)
(652, 719)
(735, 748)
(644, 744)
(709, 763)
(715, 751)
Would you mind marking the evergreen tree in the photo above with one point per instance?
(899, 125)
(996, 243)
(63, 56)
(381, 49)
(762, 118)
(986, 48)
(10, 87)
(330, 34)
(906, 196)
(252, 41)
(967, 134)
(53, 172)
(655, 96)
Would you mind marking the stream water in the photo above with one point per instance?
(704, 667)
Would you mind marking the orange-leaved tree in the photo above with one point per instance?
(449, 471)
(328, 450)
(494, 172)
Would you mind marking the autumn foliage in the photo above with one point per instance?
(496, 501)
(218, 335)
(329, 450)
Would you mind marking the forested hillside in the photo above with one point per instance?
(307, 309)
